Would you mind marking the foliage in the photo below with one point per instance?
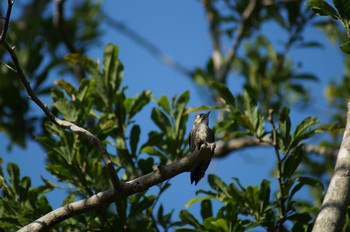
(341, 13)
(97, 100)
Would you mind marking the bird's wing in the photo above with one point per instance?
(190, 142)
(211, 137)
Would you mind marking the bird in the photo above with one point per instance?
(200, 134)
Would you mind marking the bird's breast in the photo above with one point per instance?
(202, 132)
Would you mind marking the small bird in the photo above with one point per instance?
(200, 134)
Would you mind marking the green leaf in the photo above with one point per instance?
(206, 209)
(111, 66)
(154, 152)
(302, 130)
(224, 92)
(292, 162)
(216, 183)
(188, 218)
(164, 103)
(322, 8)
(134, 138)
(9, 222)
(86, 89)
(14, 176)
(70, 198)
(343, 7)
(24, 188)
(255, 123)
(146, 165)
(264, 195)
(183, 99)
(64, 106)
(300, 217)
(140, 101)
(70, 90)
(196, 199)
(202, 108)
(284, 126)
(88, 64)
(221, 223)
(180, 116)
(345, 47)
(303, 180)
(161, 120)
(144, 204)
(252, 196)
(164, 219)
(310, 181)
(121, 210)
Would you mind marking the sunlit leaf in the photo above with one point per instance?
(197, 199)
(140, 101)
(321, 7)
(345, 47)
(164, 103)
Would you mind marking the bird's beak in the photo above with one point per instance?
(208, 113)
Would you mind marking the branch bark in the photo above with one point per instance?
(137, 185)
(7, 19)
(224, 148)
(333, 211)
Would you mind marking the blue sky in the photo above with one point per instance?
(179, 29)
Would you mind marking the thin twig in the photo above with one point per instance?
(146, 44)
(231, 55)
(58, 21)
(214, 35)
(8, 66)
(7, 20)
(279, 172)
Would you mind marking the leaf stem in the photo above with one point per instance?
(279, 172)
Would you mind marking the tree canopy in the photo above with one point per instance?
(94, 142)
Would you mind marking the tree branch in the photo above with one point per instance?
(61, 123)
(146, 44)
(214, 35)
(279, 225)
(224, 148)
(137, 185)
(7, 20)
(58, 21)
(231, 55)
(333, 210)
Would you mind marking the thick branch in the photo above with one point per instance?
(333, 211)
(137, 185)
